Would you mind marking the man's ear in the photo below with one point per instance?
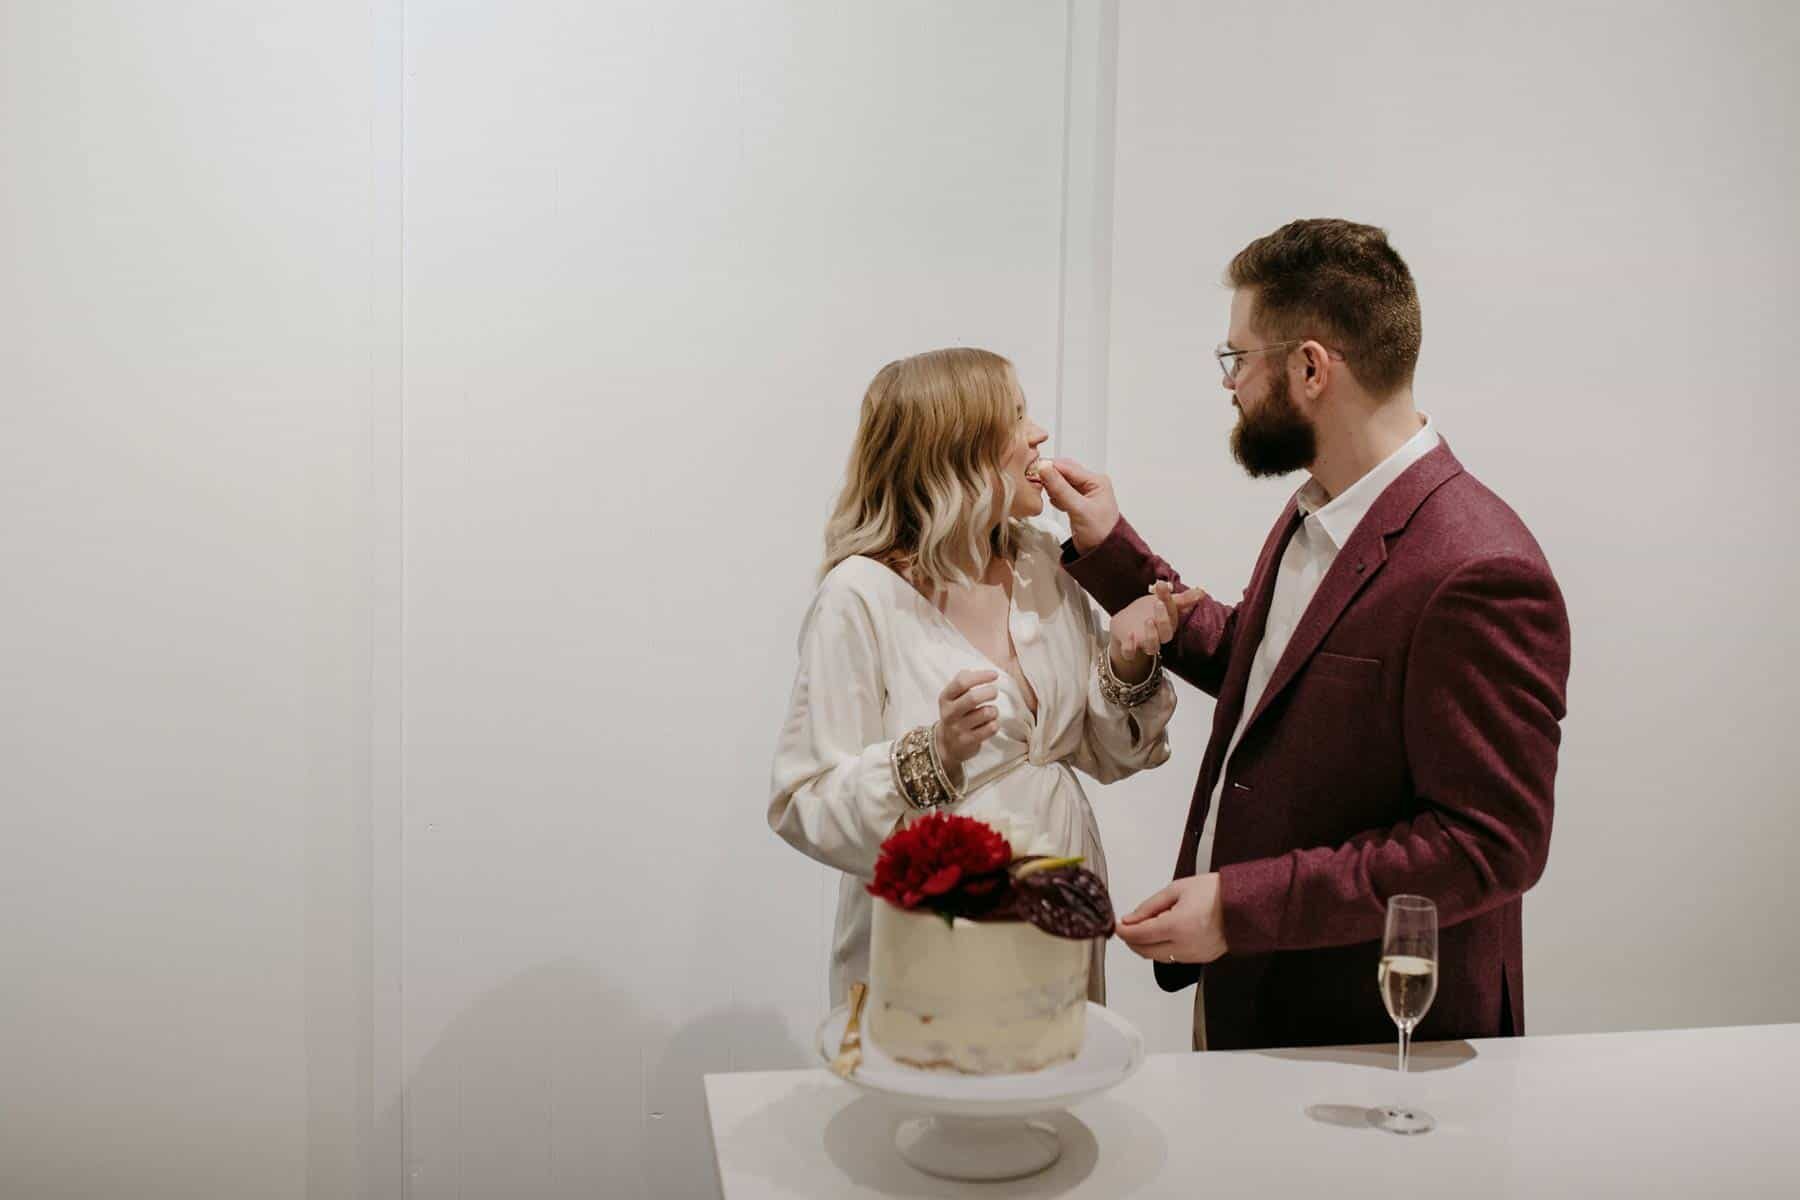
(1318, 366)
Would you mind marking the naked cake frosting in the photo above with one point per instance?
(979, 958)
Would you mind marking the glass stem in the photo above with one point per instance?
(1405, 1042)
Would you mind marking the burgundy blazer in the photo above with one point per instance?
(1406, 742)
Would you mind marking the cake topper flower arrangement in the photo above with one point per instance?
(958, 866)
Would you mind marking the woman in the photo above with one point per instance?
(947, 660)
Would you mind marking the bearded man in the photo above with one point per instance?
(1389, 689)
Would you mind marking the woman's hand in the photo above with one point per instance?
(1141, 627)
(966, 719)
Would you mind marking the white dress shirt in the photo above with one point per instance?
(1310, 553)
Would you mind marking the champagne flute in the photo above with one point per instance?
(1408, 980)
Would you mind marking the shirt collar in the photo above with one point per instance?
(1340, 516)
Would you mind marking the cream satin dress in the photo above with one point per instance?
(875, 654)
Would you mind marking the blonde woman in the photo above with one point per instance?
(947, 660)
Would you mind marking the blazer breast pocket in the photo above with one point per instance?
(1344, 668)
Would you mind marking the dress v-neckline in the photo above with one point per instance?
(1011, 609)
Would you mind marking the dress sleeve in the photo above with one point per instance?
(1120, 735)
(833, 795)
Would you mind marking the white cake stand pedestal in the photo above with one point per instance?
(981, 1126)
(979, 1148)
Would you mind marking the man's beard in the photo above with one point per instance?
(1277, 438)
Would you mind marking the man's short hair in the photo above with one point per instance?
(1339, 283)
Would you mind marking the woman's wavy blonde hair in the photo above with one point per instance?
(924, 492)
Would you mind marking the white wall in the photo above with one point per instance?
(1597, 202)
(190, 353)
(250, 713)
(654, 255)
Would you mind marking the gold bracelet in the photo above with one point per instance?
(919, 772)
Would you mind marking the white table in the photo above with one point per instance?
(1706, 1113)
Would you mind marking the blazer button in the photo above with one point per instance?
(1359, 567)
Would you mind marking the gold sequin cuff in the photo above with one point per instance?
(918, 772)
(1128, 695)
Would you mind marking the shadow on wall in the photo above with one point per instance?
(557, 1084)
(679, 1148)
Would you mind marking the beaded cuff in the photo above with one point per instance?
(918, 772)
(1127, 695)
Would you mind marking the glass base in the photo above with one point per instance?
(1395, 1119)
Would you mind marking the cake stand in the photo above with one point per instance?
(981, 1126)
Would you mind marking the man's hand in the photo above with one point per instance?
(1185, 922)
(1143, 627)
(1087, 498)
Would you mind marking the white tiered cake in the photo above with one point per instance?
(980, 946)
(985, 997)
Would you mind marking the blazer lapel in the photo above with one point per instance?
(1259, 597)
(1357, 563)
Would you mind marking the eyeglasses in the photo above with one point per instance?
(1229, 358)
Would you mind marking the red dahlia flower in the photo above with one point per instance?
(935, 856)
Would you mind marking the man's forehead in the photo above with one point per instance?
(1239, 321)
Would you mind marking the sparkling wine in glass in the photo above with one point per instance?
(1407, 977)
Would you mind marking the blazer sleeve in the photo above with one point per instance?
(1122, 568)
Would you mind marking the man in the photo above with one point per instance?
(1389, 688)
